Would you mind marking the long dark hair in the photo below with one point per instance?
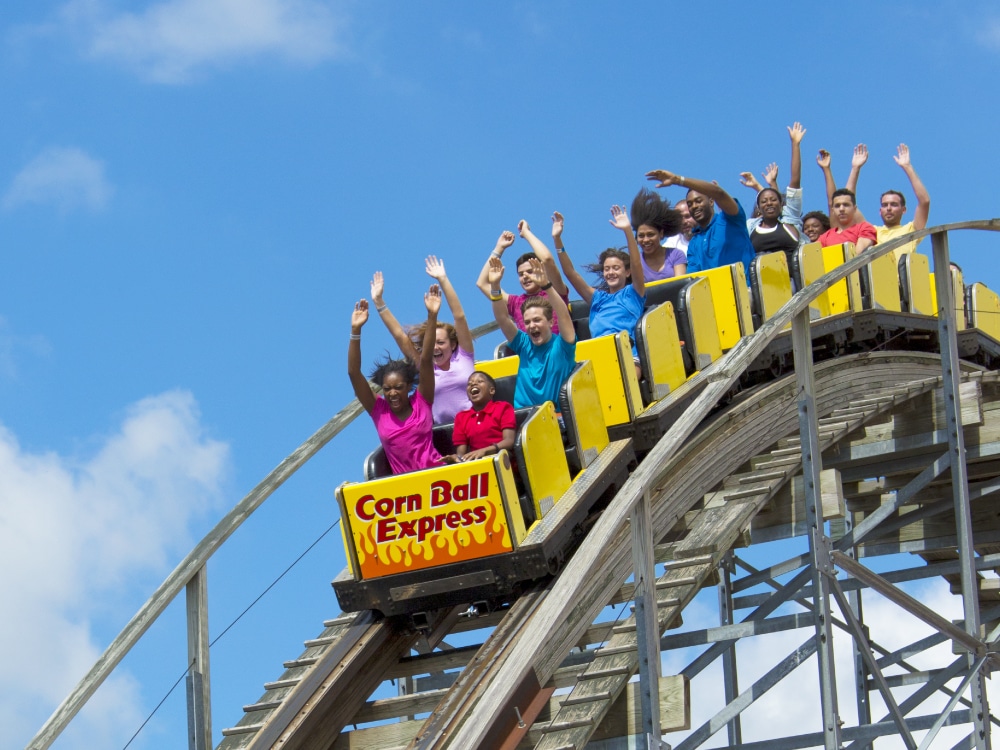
(650, 209)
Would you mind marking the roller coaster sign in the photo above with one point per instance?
(430, 518)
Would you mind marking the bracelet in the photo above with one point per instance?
(543, 287)
(496, 295)
(680, 181)
(355, 337)
(380, 308)
(561, 249)
(494, 254)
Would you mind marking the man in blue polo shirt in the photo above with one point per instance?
(719, 237)
(547, 359)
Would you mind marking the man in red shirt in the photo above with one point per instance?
(845, 208)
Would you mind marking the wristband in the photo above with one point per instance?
(380, 308)
(355, 337)
(544, 287)
(494, 253)
(680, 181)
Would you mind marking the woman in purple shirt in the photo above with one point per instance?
(653, 221)
(402, 419)
(454, 359)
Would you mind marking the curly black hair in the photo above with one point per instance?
(650, 209)
(403, 367)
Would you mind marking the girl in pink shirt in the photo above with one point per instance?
(454, 360)
(402, 420)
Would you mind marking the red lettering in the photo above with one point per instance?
(461, 493)
(383, 507)
(467, 517)
(359, 508)
(385, 531)
(440, 493)
(413, 503)
(484, 484)
(425, 525)
(406, 528)
(480, 514)
(453, 519)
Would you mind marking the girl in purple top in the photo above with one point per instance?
(454, 359)
(402, 419)
(653, 219)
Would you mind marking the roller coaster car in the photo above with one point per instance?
(475, 531)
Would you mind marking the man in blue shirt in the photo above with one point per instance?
(720, 237)
(546, 360)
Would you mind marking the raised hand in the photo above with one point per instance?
(538, 272)
(557, 224)
(495, 273)
(666, 178)
(795, 132)
(432, 299)
(902, 157)
(506, 240)
(378, 287)
(619, 219)
(748, 180)
(770, 174)
(522, 227)
(860, 155)
(359, 316)
(435, 267)
(823, 158)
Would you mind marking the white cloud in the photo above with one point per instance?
(73, 534)
(68, 178)
(172, 41)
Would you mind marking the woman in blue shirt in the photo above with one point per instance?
(616, 304)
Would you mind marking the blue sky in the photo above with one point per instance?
(194, 193)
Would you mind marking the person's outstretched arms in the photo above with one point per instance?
(823, 159)
(395, 329)
(432, 300)
(748, 180)
(435, 269)
(505, 240)
(795, 134)
(902, 158)
(724, 200)
(545, 255)
(494, 275)
(619, 218)
(559, 308)
(362, 389)
(857, 161)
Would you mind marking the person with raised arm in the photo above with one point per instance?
(850, 228)
(719, 237)
(454, 357)
(546, 358)
(524, 275)
(892, 207)
(654, 221)
(616, 304)
(778, 224)
(857, 161)
(402, 414)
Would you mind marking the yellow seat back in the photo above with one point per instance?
(984, 310)
(919, 289)
(660, 352)
(544, 465)
(882, 279)
(958, 293)
(585, 420)
(811, 267)
(499, 368)
(728, 285)
(614, 371)
(772, 286)
(845, 295)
